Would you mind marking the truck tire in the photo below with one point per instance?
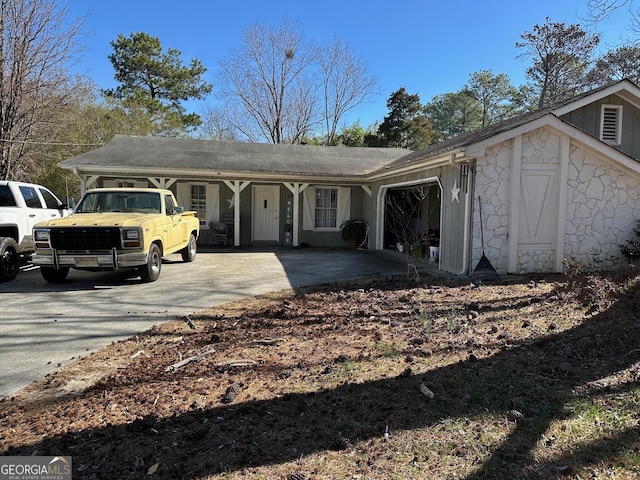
(9, 259)
(151, 271)
(52, 275)
(189, 252)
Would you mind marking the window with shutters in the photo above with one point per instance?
(199, 202)
(611, 124)
(326, 208)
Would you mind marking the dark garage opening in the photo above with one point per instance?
(412, 214)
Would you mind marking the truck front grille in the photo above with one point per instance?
(85, 239)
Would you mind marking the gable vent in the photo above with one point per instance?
(610, 125)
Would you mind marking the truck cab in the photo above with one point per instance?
(22, 205)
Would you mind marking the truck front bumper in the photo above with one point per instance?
(101, 261)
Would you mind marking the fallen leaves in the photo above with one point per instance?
(309, 384)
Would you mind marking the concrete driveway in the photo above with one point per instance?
(44, 325)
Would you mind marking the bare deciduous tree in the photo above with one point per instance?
(216, 125)
(599, 10)
(37, 45)
(281, 88)
(345, 84)
(264, 83)
(402, 210)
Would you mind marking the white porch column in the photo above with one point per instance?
(236, 186)
(296, 189)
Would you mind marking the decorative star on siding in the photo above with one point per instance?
(455, 192)
(232, 201)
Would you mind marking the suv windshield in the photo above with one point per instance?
(116, 201)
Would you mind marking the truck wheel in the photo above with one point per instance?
(52, 275)
(151, 271)
(189, 252)
(9, 259)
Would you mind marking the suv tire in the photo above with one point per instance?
(9, 259)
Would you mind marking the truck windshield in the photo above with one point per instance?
(118, 201)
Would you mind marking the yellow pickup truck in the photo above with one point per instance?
(114, 228)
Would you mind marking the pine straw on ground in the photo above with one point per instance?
(530, 378)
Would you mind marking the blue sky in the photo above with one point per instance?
(428, 47)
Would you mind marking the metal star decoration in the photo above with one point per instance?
(455, 192)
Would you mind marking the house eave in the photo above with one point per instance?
(551, 121)
(478, 150)
(625, 89)
(212, 175)
(440, 160)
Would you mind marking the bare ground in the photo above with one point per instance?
(531, 378)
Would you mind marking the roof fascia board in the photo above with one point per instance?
(624, 89)
(599, 148)
(215, 175)
(437, 161)
(478, 149)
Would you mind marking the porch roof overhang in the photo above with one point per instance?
(174, 157)
(209, 175)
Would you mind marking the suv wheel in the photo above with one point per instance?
(9, 259)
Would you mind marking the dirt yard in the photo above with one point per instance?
(531, 378)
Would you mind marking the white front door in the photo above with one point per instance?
(266, 213)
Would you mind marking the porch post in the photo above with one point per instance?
(162, 182)
(236, 187)
(296, 189)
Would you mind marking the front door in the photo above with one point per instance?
(266, 213)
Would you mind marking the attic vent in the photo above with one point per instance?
(610, 124)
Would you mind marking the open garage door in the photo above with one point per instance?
(412, 214)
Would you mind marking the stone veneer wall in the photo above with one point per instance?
(493, 173)
(602, 207)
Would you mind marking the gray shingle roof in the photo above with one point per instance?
(467, 138)
(223, 156)
(254, 158)
(485, 133)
